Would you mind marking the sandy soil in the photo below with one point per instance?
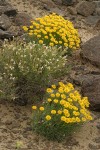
(15, 128)
(15, 121)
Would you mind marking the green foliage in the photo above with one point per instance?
(53, 30)
(27, 68)
(62, 112)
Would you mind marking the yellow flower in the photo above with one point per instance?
(49, 99)
(69, 100)
(49, 90)
(31, 27)
(38, 36)
(48, 117)
(83, 119)
(66, 113)
(57, 94)
(71, 95)
(41, 108)
(68, 105)
(70, 86)
(89, 117)
(52, 95)
(34, 107)
(62, 102)
(53, 26)
(63, 118)
(46, 37)
(66, 44)
(55, 101)
(60, 42)
(61, 84)
(30, 33)
(40, 42)
(76, 113)
(75, 108)
(73, 119)
(53, 86)
(66, 89)
(61, 90)
(77, 119)
(63, 96)
(59, 112)
(25, 28)
(53, 112)
(82, 111)
(51, 44)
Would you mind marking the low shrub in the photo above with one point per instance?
(62, 111)
(27, 68)
(53, 30)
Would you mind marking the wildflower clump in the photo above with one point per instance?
(64, 110)
(54, 30)
(27, 69)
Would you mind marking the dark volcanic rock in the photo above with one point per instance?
(91, 50)
(94, 147)
(92, 20)
(6, 8)
(72, 10)
(98, 11)
(10, 11)
(91, 89)
(85, 8)
(58, 2)
(3, 2)
(6, 35)
(48, 3)
(22, 19)
(5, 22)
(68, 2)
(97, 26)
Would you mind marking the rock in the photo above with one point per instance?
(58, 2)
(6, 8)
(57, 11)
(6, 35)
(70, 141)
(48, 3)
(5, 22)
(10, 11)
(91, 89)
(21, 101)
(72, 10)
(22, 19)
(85, 8)
(14, 124)
(97, 26)
(68, 2)
(98, 125)
(27, 129)
(1, 9)
(97, 140)
(92, 20)
(94, 147)
(91, 50)
(1, 42)
(98, 11)
(3, 2)
(8, 122)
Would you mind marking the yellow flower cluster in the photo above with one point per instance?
(35, 107)
(68, 103)
(54, 30)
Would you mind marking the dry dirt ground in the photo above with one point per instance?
(15, 128)
(15, 121)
